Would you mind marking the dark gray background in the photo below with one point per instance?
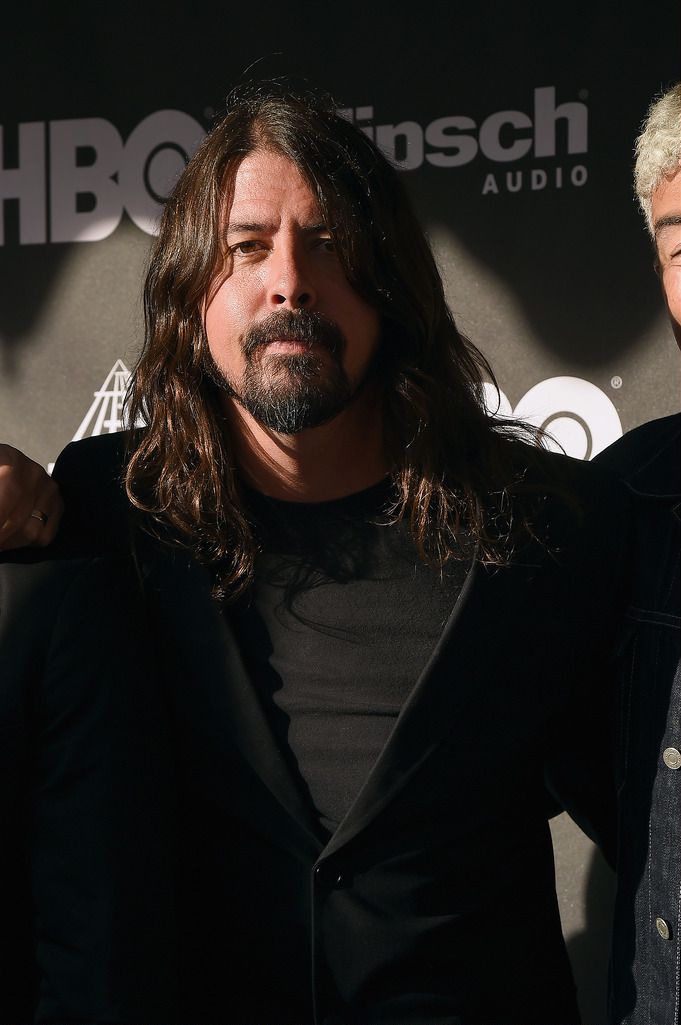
(549, 283)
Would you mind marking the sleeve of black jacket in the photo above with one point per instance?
(580, 768)
(87, 799)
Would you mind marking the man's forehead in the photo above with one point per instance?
(267, 185)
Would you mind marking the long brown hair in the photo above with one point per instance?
(452, 464)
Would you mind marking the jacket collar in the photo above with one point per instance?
(226, 713)
(658, 475)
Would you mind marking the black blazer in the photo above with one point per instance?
(434, 901)
(84, 796)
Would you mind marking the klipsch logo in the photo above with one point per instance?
(71, 180)
(550, 130)
(578, 415)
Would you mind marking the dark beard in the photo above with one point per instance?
(292, 392)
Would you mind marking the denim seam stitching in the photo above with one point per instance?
(678, 960)
(651, 951)
(673, 581)
(653, 616)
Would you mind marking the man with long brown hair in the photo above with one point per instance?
(382, 618)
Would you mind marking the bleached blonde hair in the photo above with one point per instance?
(658, 148)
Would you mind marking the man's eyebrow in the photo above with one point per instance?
(315, 229)
(239, 227)
(670, 221)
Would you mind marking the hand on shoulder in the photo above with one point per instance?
(30, 504)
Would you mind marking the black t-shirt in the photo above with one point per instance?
(340, 622)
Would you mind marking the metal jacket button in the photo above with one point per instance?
(672, 758)
(329, 876)
(663, 928)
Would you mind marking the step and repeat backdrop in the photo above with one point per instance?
(513, 127)
(512, 124)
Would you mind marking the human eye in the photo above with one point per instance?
(247, 247)
(669, 245)
(326, 243)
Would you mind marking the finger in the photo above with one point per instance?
(12, 541)
(11, 494)
(49, 502)
(14, 533)
(25, 488)
(18, 533)
(39, 526)
(20, 527)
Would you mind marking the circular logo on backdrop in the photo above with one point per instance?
(578, 417)
(154, 156)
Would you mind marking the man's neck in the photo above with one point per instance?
(320, 464)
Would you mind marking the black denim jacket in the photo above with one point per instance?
(646, 950)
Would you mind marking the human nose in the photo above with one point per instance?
(290, 280)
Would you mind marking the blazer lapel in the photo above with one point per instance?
(446, 685)
(226, 708)
(212, 680)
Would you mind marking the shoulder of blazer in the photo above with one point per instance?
(579, 494)
(97, 517)
(581, 519)
(648, 459)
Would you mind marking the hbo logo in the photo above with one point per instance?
(91, 175)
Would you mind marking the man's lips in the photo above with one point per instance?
(287, 346)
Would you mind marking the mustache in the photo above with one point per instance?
(306, 326)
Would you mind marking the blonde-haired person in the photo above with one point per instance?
(646, 942)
